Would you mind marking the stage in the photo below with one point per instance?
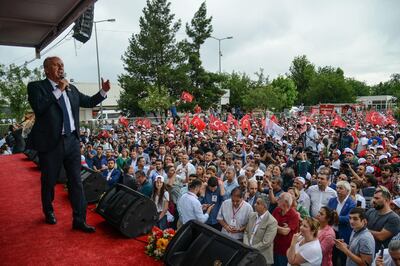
(26, 240)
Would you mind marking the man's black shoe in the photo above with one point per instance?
(50, 218)
(83, 227)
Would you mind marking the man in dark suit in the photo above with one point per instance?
(55, 135)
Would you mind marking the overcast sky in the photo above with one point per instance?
(362, 37)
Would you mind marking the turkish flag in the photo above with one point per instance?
(211, 124)
(170, 125)
(375, 118)
(139, 122)
(217, 124)
(198, 123)
(185, 123)
(187, 97)
(274, 119)
(390, 120)
(146, 123)
(230, 120)
(338, 122)
(245, 123)
(123, 121)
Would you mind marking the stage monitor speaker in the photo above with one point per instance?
(83, 26)
(197, 244)
(94, 185)
(131, 212)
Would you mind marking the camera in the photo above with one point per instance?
(259, 177)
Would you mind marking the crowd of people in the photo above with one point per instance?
(318, 195)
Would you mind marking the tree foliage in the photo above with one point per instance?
(153, 57)
(157, 99)
(329, 86)
(13, 90)
(301, 72)
(204, 85)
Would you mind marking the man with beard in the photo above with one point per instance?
(189, 207)
(383, 223)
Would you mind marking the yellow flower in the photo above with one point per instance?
(162, 243)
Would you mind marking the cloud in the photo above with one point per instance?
(361, 37)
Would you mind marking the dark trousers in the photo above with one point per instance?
(66, 152)
(338, 257)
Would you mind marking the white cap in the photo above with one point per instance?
(159, 177)
(361, 161)
(363, 133)
(383, 157)
(348, 150)
(308, 176)
(379, 147)
(301, 179)
(369, 170)
(338, 152)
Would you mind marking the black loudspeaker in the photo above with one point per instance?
(197, 244)
(83, 26)
(94, 185)
(131, 212)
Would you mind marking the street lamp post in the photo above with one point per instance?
(219, 49)
(97, 56)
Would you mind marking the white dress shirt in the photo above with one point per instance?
(319, 198)
(57, 93)
(189, 208)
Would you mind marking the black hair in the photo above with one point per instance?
(330, 214)
(194, 184)
(359, 211)
(237, 190)
(212, 181)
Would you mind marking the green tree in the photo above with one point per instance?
(239, 85)
(390, 87)
(265, 97)
(301, 72)
(329, 86)
(156, 100)
(13, 90)
(204, 85)
(153, 57)
(359, 88)
(285, 88)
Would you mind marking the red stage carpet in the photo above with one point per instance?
(26, 240)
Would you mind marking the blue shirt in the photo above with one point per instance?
(229, 187)
(212, 198)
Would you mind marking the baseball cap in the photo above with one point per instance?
(396, 202)
(301, 179)
(348, 150)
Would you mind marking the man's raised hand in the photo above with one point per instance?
(105, 85)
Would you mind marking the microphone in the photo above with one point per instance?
(63, 77)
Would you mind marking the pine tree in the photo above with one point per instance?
(153, 57)
(204, 84)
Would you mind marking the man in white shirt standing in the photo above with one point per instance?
(320, 194)
(184, 169)
(234, 215)
(189, 207)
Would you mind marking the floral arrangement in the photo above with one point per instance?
(158, 241)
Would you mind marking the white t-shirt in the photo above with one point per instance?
(311, 252)
(160, 207)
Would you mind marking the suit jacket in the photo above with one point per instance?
(344, 217)
(263, 239)
(114, 178)
(47, 130)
